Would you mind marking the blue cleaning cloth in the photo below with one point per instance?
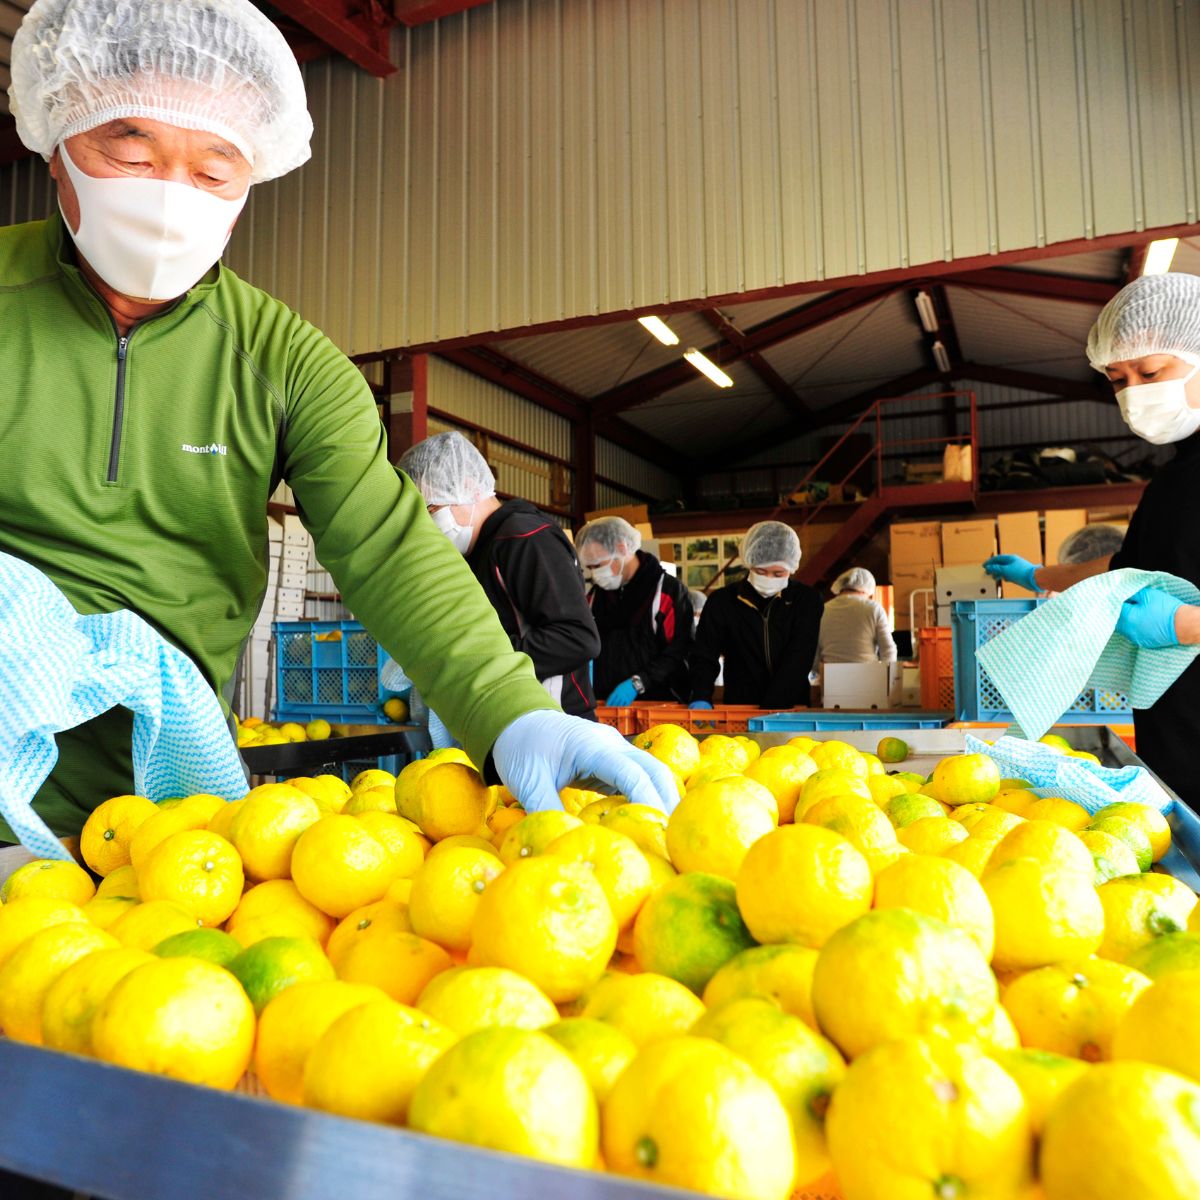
(1041, 663)
(59, 669)
(1085, 783)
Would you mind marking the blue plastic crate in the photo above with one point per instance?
(974, 623)
(801, 722)
(327, 669)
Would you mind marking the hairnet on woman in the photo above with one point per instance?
(854, 627)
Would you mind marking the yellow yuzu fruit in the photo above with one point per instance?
(56, 879)
(292, 1024)
(599, 1050)
(781, 974)
(370, 1058)
(687, 1112)
(222, 823)
(714, 826)
(1062, 812)
(861, 823)
(1041, 1076)
(1129, 832)
(33, 966)
(330, 792)
(462, 839)
(72, 1000)
(388, 914)
(592, 814)
(211, 944)
(1162, 1024)
(1151, 822)
(369, 800)
(930, 834)
(1056, 742)
(1111, 856)
(104, 840)
(281, 897)
(803, 743)
(926, 1116)
(198, 870)
(205, 804)
(661, 871)
(1015, 800)
(884, 787)
(618, 864)
(719, 748)
(160, 826)
(645, 826)
(1123, 1129)
(338, 865)
(575, 800)
(939, 888)
(689, 928)
(831, 783)
(1166, 954)
(646, 1007)
(1135, 916)
(803, 1067)
(892, 750)
(550, 920)
(21, 919)
(753, 749)
(906, 808)
(783, 776)
(269, 967)
(105, 911)
(122, 881)
(672, 745)
(993, 823)
(270, 925)
(395, 961)
(964, 779)
(372, 777)
(446, 891)
(267, 826)
(399, 892)
(469, 998)
(833, 754)
(180, 1017)
(895, 973)
(510, 1089)
(1048, 843)
(1044, 914)
(801, 883)
(151, 922)
(532, 835)
(1177, 893)
(406, 846)
(974, 853)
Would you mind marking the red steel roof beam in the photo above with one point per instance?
(421, 12)
(360, 33)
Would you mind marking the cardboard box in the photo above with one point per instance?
(635, 514)
(295, 557)
(968, 543)
(1020, 534)
(293, 611)
(861, 685)
(963, 583)
(294, 533)
(904, 584)
(916, 545)
(293, 579)
(1060, 524)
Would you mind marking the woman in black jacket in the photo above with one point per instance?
(765, 627)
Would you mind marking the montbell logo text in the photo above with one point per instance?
(211, 448)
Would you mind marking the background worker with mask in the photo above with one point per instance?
(643, 614)
(522, 559)
(766, 627)
(1147, 342)
(854, 627)
(153, 400)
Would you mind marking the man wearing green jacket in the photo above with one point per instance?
(151, 401)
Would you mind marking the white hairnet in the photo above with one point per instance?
(1155, 314)
(447, 469)
(614, 535)
(769, 543)
(857, 579)
(215, 65)
(1089, 543)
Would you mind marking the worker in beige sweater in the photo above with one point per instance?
(854, 627)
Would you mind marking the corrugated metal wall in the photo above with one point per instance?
(1048, 422)
(537, 160)
(642, 479)
(26, 193)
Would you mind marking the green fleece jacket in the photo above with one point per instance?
(135, 473)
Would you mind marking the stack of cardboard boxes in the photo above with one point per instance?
(916, 549)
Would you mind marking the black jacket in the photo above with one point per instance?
(1163, 537)
(528, 569)
(646, 630)
(769, 645)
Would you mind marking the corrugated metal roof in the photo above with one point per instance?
(1099, 264)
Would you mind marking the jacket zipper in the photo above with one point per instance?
(766, 622)
(114, 450)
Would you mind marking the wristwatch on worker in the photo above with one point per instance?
(638, 685)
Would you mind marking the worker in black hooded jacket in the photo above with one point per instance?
(643, 614)
(523, 560)
(765, 627)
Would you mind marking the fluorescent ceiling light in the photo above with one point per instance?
(1159, 255)
(926, 312)
(707, 367)
(660, 329)
(941, 357)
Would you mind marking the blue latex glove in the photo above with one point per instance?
(1148, 619)
(541, 752)
(1012, 568)
(699, 704)
(623, 694)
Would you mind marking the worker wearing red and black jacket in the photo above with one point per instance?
(523, 560)
(643, 614)
(765, 627)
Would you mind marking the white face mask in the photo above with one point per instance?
(1159, 412)
(149, 239)
(605, 577)
(459, 535)
(768, 585)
